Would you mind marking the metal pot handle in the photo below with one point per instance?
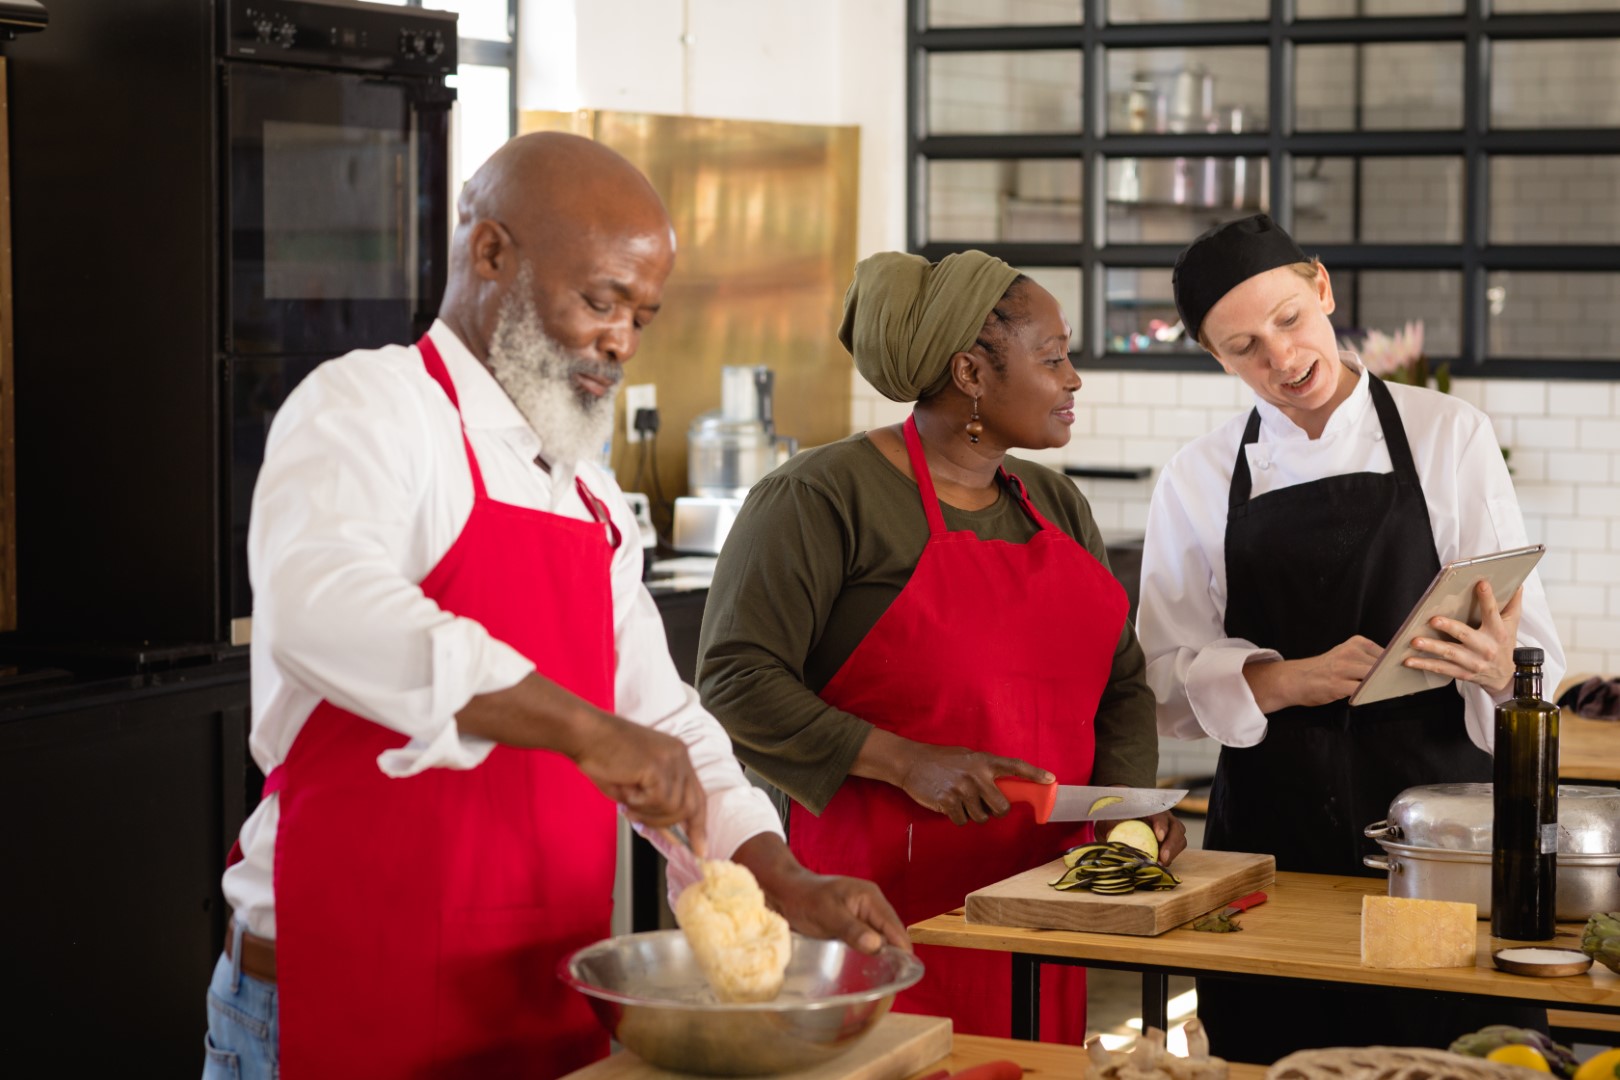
(1381, 862)
(1382, 830)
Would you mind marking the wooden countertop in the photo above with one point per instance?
(1309, 929)
(1588, 749)
(1038, 1059)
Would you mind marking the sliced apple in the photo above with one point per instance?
(1138, 834)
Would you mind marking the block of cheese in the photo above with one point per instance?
(1400, 933)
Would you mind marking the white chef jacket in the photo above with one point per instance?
(1195, 670)
(364, 488)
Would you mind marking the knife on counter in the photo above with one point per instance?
(1076, 802)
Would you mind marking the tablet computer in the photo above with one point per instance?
(1451, 594)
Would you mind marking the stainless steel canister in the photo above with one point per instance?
(1437, 846)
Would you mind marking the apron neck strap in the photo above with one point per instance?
(925, 479)
(1389, 418)
(599, 511)
(1242, 482)
(441, 375)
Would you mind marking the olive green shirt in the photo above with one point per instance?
(819, 551)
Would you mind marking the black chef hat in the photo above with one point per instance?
(1222, 259)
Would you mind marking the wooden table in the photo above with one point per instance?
(1038, 1059)
(1588, 749)
(1310, 929)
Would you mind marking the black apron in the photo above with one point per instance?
(1308, 567)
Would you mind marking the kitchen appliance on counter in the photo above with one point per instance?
(251, 187)
(728, 450)
(1437, 846)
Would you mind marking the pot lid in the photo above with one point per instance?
(1457, 817)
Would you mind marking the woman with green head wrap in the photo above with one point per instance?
(902, 617)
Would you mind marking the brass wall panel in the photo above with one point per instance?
(765, 220)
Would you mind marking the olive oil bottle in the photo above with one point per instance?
(1524, 841)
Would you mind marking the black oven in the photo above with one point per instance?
(334, 172)
(210, 197)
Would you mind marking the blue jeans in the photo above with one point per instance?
(244, 1029)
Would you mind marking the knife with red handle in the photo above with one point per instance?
(1244, 903)
(990, 1070)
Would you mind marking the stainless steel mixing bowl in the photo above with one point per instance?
(648, 993)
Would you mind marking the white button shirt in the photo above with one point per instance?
(364, 488)
(1195, 670)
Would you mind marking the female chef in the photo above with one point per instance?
(901, 617)
(1283, 550)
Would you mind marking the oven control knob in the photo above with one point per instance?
(264, 28)
(435, 44)
(286, 34)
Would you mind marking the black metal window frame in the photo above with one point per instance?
(483, 53)
(1475, 144)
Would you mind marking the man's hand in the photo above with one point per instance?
(649, 774)
(1315, 680)
(1483, 656)
(952, 780)
(646, 771)
(847, 909)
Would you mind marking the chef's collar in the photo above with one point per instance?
(1223, 258)
(1278, 425)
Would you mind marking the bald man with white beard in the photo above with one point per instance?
(458, 678)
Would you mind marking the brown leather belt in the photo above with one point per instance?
(258, 954)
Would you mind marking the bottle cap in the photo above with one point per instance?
(1528, 656)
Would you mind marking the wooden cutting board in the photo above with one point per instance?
(898, 1045)
(1209, 880)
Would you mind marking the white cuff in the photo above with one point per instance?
(448, 750)
(1220, 696)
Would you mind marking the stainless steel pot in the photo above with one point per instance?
(1437, 846)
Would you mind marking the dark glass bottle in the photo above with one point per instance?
(1524, 848)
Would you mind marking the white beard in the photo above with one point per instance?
(537, 374)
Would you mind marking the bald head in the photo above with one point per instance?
(588, 225)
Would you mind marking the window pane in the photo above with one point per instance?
(483, 116)
(1139, 11)
(1387, 299)
(1555, 200)
(1003, 12)
(1063, 282)
(1515, 7)
(1003, 92)
(1349, 9)
(1172, 200)
(983, 201)
(1553, 316)
(1186, 90)
(1417, 85)
(1403, 200)
(482, 19)
(1141, 313)
(1555, 83)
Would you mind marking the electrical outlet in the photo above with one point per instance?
(639, 396)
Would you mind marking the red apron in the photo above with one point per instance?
(420, 920)
(997, 646)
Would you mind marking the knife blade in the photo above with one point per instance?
(1077, 802)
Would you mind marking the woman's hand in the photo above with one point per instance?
(952, 780)
(1483, 656)
(1172, 835)
(1315, 680)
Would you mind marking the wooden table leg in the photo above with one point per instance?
(1026, 997)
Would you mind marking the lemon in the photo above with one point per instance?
(1604, 1066)
(1515, 1054)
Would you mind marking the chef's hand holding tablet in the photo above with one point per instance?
(1314, 680)
(1483, 655)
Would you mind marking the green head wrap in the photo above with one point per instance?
(904, 317)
